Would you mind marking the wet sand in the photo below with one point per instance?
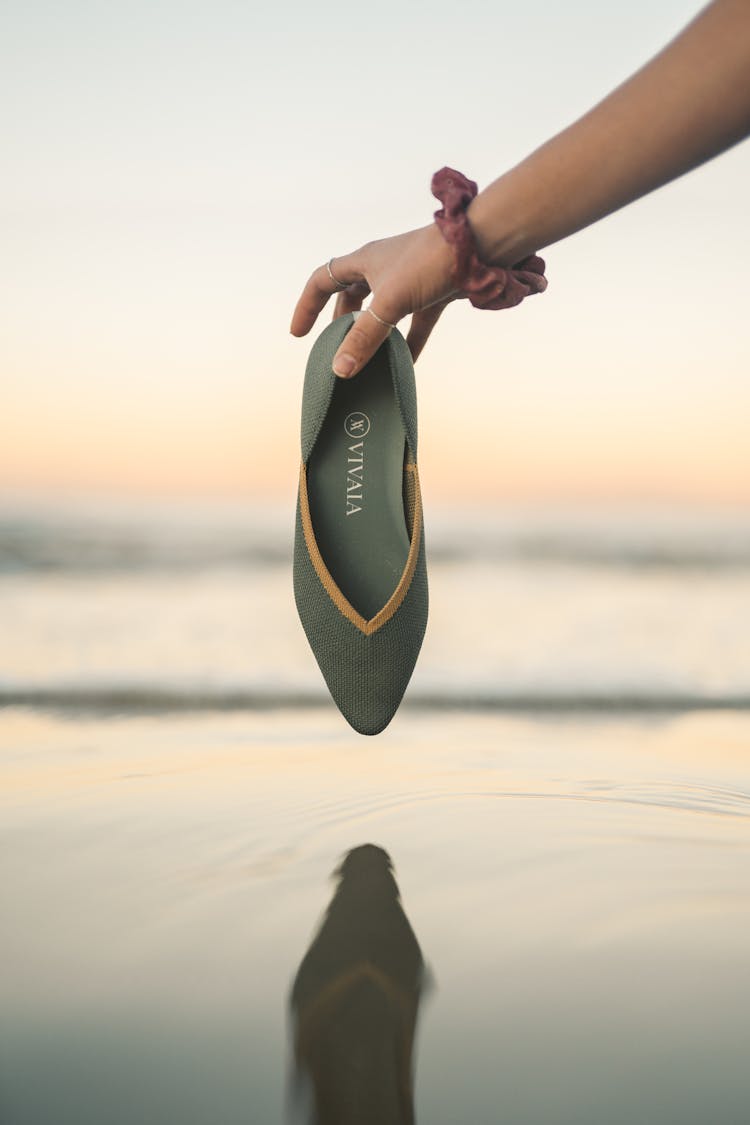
(579, 889)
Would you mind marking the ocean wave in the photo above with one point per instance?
(164, 699)
(28, 547)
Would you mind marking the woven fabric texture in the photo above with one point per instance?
(366, 674)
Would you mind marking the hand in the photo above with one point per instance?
(409, 273)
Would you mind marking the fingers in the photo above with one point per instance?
(422, 324)
(368, 332)
(360, 344)
(322, 285)
(408, 272)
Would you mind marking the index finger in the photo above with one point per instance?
(321, 285)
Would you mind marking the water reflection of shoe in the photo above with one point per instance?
(355, 1000)
(360, 575)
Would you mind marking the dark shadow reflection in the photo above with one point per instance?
(355, 1000)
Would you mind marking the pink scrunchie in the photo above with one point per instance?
(487, 287)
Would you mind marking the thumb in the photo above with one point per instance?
(361, 342)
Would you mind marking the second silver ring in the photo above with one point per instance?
(385, 323)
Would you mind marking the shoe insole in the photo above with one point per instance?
(355, 488)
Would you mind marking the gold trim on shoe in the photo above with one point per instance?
(342, 605)
(336, 988)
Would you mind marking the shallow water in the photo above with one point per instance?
(182, 608)
(564, 795)
(579, 888)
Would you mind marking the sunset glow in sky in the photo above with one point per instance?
(174, 171)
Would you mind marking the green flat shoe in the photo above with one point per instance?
(360, 575)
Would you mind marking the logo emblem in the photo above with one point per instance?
(357, 424)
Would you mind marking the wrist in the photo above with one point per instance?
(500, 238)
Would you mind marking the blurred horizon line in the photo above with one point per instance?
(438, 499)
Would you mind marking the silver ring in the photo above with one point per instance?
(335, 280)
(379, 319)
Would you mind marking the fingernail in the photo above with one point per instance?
(344, 365)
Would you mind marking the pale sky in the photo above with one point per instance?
(174, 171)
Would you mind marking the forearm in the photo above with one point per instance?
(691, 102)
